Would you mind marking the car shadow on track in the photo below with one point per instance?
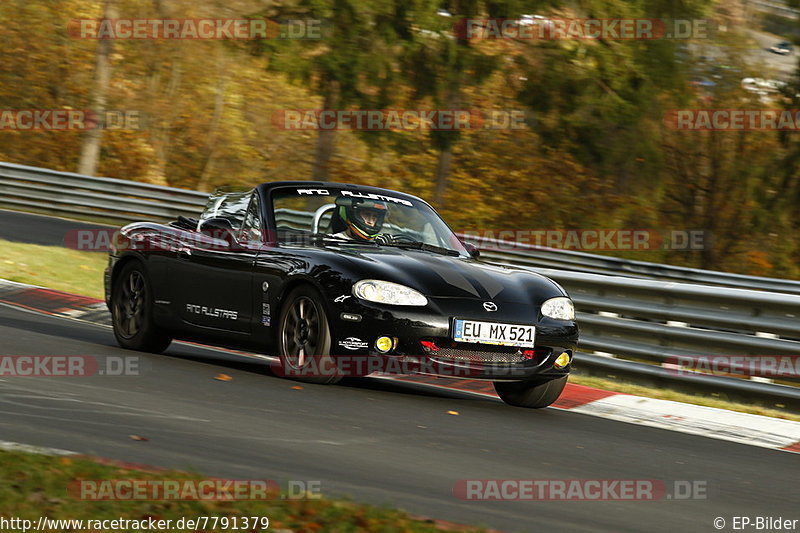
(64, 330)
(231, 360)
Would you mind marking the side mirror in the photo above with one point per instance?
(472, 250)
(219, 228)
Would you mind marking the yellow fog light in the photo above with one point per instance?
(562, 360)
(384, 344)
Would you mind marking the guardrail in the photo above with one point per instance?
(777, 7)
(529, 255)
(661, 325)
(23, 187)
(632, 325)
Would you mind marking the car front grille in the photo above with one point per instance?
(478, 356)
(483, 353)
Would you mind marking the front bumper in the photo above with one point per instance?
(424, 340)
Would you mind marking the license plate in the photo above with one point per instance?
(494, 333)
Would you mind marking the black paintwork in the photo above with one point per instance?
(189, 270)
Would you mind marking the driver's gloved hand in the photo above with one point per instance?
(385, 238)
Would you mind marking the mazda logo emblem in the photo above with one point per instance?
(490, 306)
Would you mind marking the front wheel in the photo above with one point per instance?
(533, 394)
(304, 339)
(132, 312)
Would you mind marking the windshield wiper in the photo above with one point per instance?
(419, 245)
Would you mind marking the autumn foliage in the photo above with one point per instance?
(594, 151)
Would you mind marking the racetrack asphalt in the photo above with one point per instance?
(378, 441)
(39, 229)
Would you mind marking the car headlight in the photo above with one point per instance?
(560, 308)
(386, 292)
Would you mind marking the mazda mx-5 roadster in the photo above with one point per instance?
(340, 280)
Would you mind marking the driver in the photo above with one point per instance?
(363, 218)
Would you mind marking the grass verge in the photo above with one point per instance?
(82, 273)
(33, 486)
(53, 267)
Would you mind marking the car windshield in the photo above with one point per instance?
(328, 213)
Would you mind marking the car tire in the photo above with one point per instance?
(132, 311)
(304, 339)
(534, 394)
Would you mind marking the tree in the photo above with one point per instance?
(342, 68)
(90, 148)
(441, 62)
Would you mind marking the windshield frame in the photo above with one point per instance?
(444, 233)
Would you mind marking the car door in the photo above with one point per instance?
(213, 276)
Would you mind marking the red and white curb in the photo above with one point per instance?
(733, 426)
(712, 422)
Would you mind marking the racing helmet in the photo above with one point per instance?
(352, 211)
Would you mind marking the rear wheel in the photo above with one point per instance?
(132, 311)
(304, 339)
(534, 394)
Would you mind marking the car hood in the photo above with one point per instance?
(443, 276)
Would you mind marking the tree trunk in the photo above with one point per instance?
(213, 131)
(162, 133)
(167, 105)
(452, 100)
(326, 138)
(90, 147)
(442, 171)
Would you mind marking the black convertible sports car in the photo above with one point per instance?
(340, 280)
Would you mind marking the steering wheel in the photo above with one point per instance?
(402, 238)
